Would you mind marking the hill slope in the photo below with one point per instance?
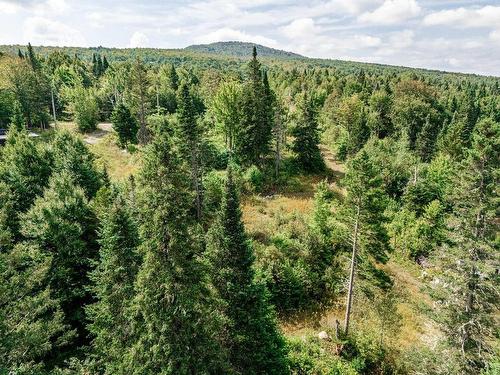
(241, 49)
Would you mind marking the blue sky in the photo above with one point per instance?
(439, 34)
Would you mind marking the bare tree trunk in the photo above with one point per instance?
(351, 277)
(53, 106)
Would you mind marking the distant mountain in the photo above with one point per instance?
(241, 49)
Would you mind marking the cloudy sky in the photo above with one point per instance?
(455, 35)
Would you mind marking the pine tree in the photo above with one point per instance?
(251, 334)
(20, 53)
(361, 216)
(113, 285)
(124, 124)
(25, 168)
(71, 155)
(33, 59)
(63, 225)
(469, 298)
(173, 78)
(32, 325)
(426, 140)
(306, 135)
(176, 326)
(99, 68)
(253, 140)
(190, 140)
(105, 64)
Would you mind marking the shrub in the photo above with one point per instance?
(253, 179)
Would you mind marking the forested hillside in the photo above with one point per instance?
(202, 212)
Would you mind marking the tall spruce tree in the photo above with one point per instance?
(124, 125)
(32, 327)
(189, 135)
(176, 326)
(252, 143)
(361, 216)
(25, 168)
(469, 296)
(62, 224)
(426, 140)
(251, 334)
(306, 135)
(113, 286)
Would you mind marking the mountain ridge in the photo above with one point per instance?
(242, 49)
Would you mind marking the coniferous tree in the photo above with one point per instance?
(99, 67)
(253, 140)
(173, 78)
(190, 140)
(426, 140)
(32, 58)
(32, 324)
(306, 140)
(124, 124)
(469, 298)
(105, 64)
(176, 326)
(25, 168)
(113, 285)
(63, 225)
(361, 216)
(70, 154)
(252, 337)
(20, 53)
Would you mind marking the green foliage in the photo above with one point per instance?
(252, 143)
(309, 356)
(306, 135)
(32, 327)
(124, 125)
(469, 300)
(251, 334)
(25, 168)
(70, 155)
(63, 225)
(175, 328)
(85, 109)
(113, 285)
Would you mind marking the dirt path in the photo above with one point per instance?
(103, 129)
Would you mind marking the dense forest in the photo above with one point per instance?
(202, 212)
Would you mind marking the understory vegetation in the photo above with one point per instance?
(186, 214)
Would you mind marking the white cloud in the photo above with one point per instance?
(138, 40)
(228, 34)
(453, 62)
(391, 12)
(488, 16)
(402, 39)
(300, 28)
(495, 35)
(7, 7)
(43, 31)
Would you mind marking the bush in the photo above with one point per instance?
(213, 186)
(310, 356)
(253, 179)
